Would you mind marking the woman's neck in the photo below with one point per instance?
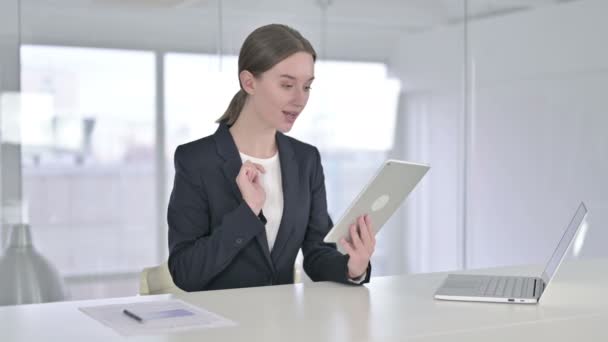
(253, 137)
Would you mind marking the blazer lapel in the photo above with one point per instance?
(227, 149)
(231, 169)
(290, 180)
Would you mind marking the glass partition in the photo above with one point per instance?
(503, 100)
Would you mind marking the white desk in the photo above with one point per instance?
(388, 309)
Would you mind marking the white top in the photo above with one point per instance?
(272, 183)
(273, 206)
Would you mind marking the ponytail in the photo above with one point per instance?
(234, 108)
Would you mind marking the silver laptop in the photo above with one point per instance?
(508, 289)
(380, 197)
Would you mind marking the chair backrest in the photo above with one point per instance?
(157, 280)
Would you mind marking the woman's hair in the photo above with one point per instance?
(263, 49)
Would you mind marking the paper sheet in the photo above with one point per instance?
(159, 317)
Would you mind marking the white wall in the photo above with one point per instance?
(540, 116)
(538, 113)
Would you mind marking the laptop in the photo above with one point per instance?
(509, 289)
(381, 197)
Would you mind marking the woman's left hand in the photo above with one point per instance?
(361, 246)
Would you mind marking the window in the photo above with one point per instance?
(88, 157)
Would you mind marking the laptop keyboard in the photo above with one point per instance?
(508, 287)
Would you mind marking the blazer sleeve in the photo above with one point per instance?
(322, 261)
(197, 253)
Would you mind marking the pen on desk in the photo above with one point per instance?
(132, 315)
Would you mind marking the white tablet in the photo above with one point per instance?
(381, 197)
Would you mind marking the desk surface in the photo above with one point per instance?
(394, 308)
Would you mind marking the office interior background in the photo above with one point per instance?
(505, 99)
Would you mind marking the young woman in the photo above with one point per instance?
(248, 197)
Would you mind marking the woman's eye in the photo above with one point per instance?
(287, 86)
(307, 88)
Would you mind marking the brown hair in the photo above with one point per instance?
(262, 49)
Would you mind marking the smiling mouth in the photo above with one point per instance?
(291, 115)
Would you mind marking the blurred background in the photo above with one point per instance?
(505, 99)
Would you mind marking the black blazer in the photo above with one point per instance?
(215, 239)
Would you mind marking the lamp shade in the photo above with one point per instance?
(25, 275)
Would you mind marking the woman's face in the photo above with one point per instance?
(281, 93)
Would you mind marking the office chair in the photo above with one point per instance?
(157, 280)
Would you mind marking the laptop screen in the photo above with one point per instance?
(558, 255)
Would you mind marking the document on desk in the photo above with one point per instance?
(157, 317)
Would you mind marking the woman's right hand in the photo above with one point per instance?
(250, 184)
